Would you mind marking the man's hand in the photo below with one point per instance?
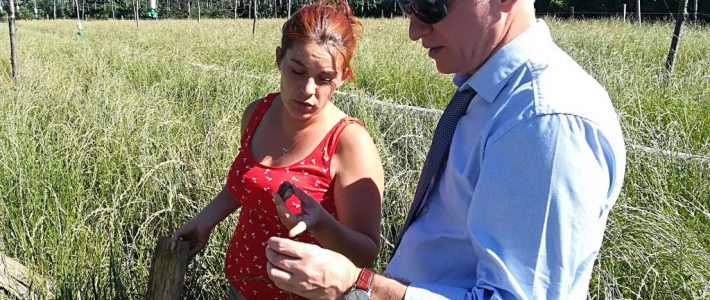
(309, 270)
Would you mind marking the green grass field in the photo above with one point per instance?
(115, 138)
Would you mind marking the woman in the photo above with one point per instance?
(298, 136)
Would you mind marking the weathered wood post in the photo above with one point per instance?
(136, 10)
(682, 12)
(21, 283)
(13, 41)
(167, 271)
(79, 25)
(253, 26)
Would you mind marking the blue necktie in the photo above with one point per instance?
(438, 153)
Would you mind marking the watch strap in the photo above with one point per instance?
(364, 280)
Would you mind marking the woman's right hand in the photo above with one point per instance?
(195, 233)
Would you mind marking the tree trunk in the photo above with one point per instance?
(35, 8)
(289, 8)
(235, 9)
(199, 12)
(189, 10)
(54, 10)
(13, 41)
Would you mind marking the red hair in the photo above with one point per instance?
(327, 24)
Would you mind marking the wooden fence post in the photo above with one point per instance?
(167, 271)
(21, 283)
(624, 12)
(136, 10)
(253, 25)
(13, 41)
(682, 12)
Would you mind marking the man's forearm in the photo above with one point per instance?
(356, 246)
(384, 287)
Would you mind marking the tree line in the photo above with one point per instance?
(181, 9)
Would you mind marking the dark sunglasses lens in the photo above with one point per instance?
(429, 11)
(405, 6)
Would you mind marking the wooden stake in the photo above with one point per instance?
(13, 41)
(253, 26)
(21, 283)
(135, 12)
(167, 271)
(79, 26)
(682, 12)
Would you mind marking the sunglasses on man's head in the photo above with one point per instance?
(428, 11)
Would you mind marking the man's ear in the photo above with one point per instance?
(507, 5)
(279, 55)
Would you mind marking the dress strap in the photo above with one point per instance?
(255, 118)
(335, 135)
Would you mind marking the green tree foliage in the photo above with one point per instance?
(104, 9)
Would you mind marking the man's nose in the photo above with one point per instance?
(417, 28)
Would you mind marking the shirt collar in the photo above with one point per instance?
(490, 79)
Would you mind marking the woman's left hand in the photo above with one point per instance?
(312, 213)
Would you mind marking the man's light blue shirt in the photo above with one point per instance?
(535, 166)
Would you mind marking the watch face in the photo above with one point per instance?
(358, 294)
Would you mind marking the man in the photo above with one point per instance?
(517, 207)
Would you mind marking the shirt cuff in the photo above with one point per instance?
(417, 291)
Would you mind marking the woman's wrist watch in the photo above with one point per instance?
(362, 289)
